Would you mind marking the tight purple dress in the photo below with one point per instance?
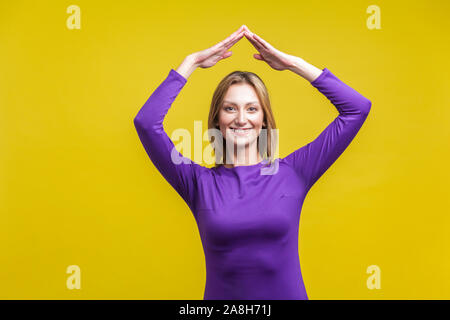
(248, 219)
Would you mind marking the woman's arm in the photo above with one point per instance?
(313, 159)
(178, 170)
(160, 149)
(187, 67)
(304, 69)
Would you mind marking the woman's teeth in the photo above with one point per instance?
(240, 131)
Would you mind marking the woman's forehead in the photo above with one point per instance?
(241, 94)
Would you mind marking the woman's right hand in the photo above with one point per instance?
(209, 57)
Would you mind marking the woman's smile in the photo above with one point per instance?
(240, 131)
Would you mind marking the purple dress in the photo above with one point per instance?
(248, 220)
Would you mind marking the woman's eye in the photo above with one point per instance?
(232, 108)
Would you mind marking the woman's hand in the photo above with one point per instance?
(276, 59)
(209, 57)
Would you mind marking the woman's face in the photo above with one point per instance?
(241, 109)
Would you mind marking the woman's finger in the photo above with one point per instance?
(257, 56)
(238, 31)
(256, 44)
(227, 54)
(233, 41)
(261, 41)
(231, 38)
(226, 46)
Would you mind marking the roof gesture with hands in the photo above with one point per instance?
(266, 52)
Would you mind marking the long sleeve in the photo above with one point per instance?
(312, 160)
(158, 145)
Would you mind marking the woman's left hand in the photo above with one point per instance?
(275, 58)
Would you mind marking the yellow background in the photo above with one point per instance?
(77, 187)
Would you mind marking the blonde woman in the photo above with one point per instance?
(247, 207)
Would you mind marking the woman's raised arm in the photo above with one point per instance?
(313, 159)
(178, 170)
(161, 150)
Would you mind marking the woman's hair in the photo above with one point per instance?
(267, 150)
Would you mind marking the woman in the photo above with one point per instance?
(248, 220)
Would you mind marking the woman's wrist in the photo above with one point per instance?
(187, 67)
(305, 69)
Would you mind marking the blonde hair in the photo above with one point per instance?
(267, 152)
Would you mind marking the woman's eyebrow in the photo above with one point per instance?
(251, 102)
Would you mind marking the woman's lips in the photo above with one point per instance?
(240, 131)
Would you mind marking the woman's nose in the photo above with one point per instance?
(242, 119)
